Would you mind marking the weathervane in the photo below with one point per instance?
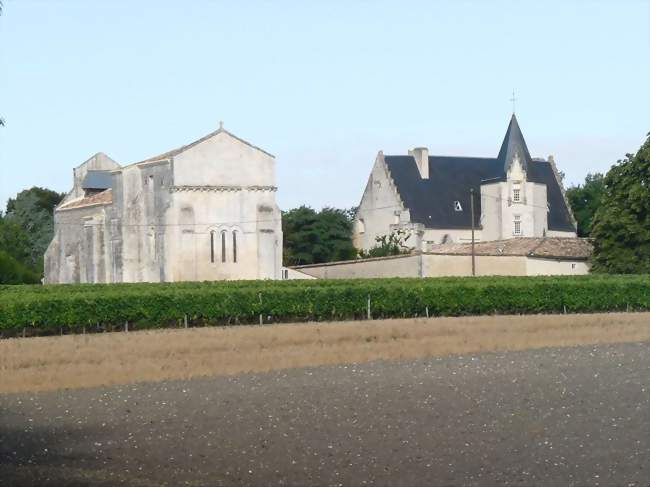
(513, 100)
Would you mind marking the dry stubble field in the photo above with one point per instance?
(50, 363)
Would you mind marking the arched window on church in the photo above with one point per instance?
(223, 246)
(212, 246)
(234, 246)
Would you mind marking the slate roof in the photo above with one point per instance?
(97, 180)
(431, 201)
(547, 247)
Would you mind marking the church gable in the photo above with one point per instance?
(223, 159)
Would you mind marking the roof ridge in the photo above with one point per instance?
(183, 148)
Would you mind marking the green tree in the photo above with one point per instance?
(311, 237)
(15, 241)
(28, 226)
(585, 200)
(621, 227)
(14, 272)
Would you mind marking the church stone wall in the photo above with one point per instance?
(77, 252)
(98, 162)
(163, 213)
(238, 164)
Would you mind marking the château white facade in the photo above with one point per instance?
(204, 211)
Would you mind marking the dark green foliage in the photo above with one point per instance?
(15, 241)
(311, 237)
(585, 200)
(160, 305)
(621, 228)
(28, 226)
(13, 272)
(393, 244)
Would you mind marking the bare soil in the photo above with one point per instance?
(78, 361)
(573, 416)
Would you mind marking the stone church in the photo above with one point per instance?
(428, 197)
(204, 211)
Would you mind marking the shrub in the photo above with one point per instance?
(218, 303)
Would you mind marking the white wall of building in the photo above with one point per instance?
(159, 224)
(441, 265)
(381, 210)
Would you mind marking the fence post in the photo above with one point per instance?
(369, 315)
(23, 332)
(427, 311)
(126, 326)
(185, 320)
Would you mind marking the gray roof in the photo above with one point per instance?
(431, 201)
(514, 144)
(97, 180)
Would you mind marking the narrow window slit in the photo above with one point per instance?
(234, 246)
(223, 246)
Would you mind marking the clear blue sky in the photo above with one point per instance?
(322, 85)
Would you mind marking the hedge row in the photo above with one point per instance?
(161, 305)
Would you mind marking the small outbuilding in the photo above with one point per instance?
(510, 257)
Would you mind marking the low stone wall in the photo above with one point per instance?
(397, 266)
(441, 265)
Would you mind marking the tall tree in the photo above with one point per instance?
(29, 221)
(585, 200)
(311, 237)
(621, 227)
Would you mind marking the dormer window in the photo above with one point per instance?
(516, 194)
(457, 206)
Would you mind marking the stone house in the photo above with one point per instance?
(428, 197)
(204, 211)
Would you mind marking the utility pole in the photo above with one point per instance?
(471, 204)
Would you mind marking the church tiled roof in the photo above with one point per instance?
(432, 201)
(103, 198)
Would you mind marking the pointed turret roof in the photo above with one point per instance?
(513, 144)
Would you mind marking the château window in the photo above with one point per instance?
(234, 246)
(457, 206)
(517, 225)
(516, 195)
(223, 246)
(212, 247)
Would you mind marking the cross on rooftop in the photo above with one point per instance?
(513, 100)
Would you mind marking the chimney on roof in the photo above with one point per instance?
(421, 156)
